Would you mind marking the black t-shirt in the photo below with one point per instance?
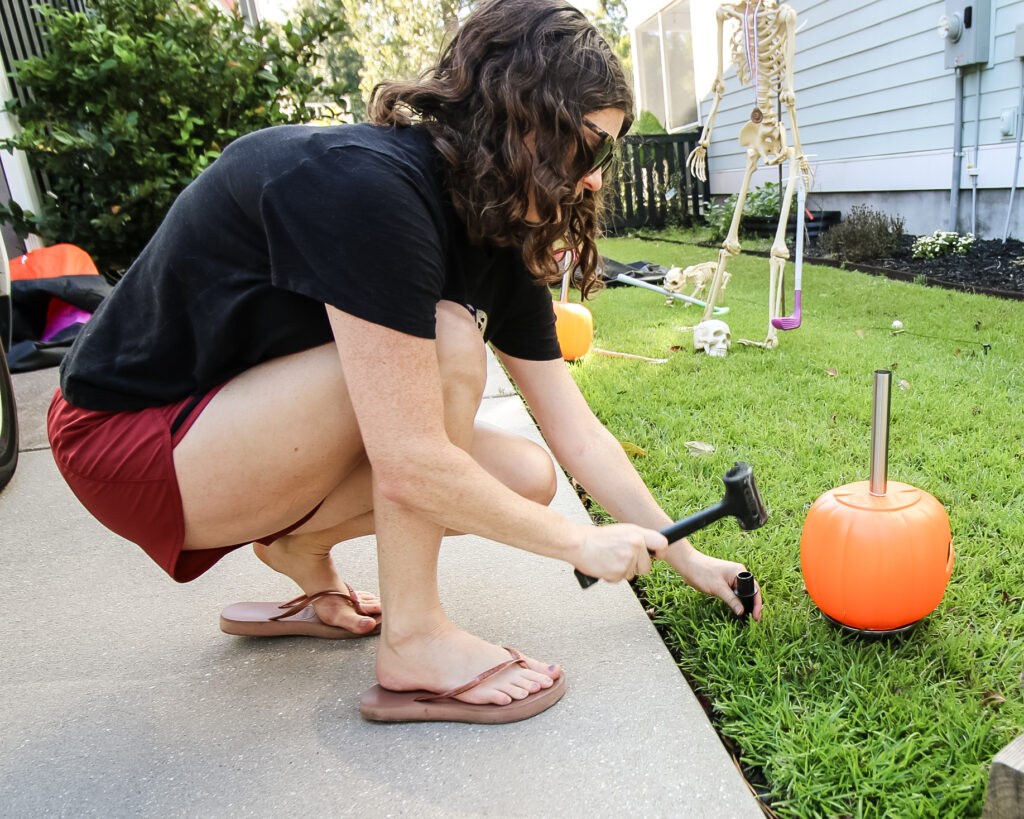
(286, 220)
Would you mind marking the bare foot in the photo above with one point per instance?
(309, 564)
(447, 658)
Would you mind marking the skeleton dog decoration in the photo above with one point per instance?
(699, 275)
(762, 50)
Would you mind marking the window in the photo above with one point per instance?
(664, 56)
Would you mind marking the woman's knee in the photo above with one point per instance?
(539, 478)
(521, 465)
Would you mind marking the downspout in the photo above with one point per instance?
(958, 144)
(973, 170)
(1016, 161)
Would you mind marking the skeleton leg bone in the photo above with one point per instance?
(779, 256)
(731, 246)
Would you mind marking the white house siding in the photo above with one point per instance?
(875, 110)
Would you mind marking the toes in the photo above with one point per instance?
(336, 613)
(553, 672)
(363, 626)
(517, 684)
(369, 602)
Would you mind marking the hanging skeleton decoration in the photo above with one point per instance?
(762, 51)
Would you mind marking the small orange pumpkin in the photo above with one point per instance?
(574, 326)
(876, 562)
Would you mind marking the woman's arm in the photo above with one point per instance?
(582, 444)
(395, 386)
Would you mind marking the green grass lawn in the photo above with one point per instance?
(837, 724)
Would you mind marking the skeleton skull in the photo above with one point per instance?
(713, 337)
(674, 280)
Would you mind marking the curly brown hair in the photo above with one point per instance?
(518, 69)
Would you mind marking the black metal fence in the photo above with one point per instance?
(653, 187)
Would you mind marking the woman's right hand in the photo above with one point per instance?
(618, 551)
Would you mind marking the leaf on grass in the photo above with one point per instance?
(860, 333)
(698, 448)
(993, 698)
(1008, 600)
(957, 352)
(903, 384)
(832, 372)
(581, 493)
(675, 348)
(633, 449)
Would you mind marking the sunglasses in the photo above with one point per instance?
(605, 152)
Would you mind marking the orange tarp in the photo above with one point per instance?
(49, 262)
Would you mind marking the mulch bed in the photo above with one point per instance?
(990, 267)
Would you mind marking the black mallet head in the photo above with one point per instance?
(742, 501)
(742, 497)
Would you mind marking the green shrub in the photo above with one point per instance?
(942, 243)
(133, 99)
(764, 201)
(864, 234)
(718, 216)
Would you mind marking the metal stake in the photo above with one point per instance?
(880, 433)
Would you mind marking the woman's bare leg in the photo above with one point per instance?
(283, 436)
(305, 556)
(420, 647)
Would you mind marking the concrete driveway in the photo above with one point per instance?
(123, 698)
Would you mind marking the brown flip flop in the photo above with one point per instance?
(295, 618)
(384, 705)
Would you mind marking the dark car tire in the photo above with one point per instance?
(8, 424)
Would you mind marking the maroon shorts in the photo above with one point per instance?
(120, 465)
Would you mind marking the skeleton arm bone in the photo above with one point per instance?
(787, 17)
(697, 161)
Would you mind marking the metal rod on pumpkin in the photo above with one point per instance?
(880, 433)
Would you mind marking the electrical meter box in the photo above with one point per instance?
(965, 30)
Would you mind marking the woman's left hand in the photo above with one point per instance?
(709, 574)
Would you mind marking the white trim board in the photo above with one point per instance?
(15, 164)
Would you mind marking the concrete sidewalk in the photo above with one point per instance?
(123, 698)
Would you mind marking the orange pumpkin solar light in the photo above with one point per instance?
(574, 325)
(877, 556)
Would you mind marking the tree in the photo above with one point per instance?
(132, 99)
(340, 62)
(399, 39)
(610, 19)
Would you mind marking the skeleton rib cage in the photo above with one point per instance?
(758, 53)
